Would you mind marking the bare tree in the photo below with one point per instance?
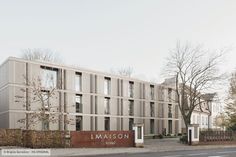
(37, 100)
(194, 74)
(230, 108)
(41, 55)
(126, 71)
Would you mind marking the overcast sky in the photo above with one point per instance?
(108, 34)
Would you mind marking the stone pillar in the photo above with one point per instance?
(193, 134)
(138, 135)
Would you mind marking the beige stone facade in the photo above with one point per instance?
(104, 101)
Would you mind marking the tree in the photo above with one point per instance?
(126, 71)
(37, 100)
(41, 55)
(194, 73)
(230, 108)
(221, 121)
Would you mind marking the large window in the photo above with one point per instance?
(169, 110)
(131, 107)
(107, 123)
(152, 126)
(107, 86)
(49, 77)
(176, 111)
(152, 109)
(131, 89)
(78, 101)
(79, 120)
(107, 105)
(131, 122)
(45, 123)
(170, 126)
(152, 92)
(46, 101)
(169, 94)
(78, 82)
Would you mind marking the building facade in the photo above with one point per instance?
(89, 100)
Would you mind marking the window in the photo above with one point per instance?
(45, 123)
(193, 119)
(169, 93)
(131, 89)
(46, 102)
(176, 111)
(131, 122)
(152, 92)
(203, 120)
(107, 123)
(107, 86)
(78, 101)
(131, 107)
(49, 77)
(107, 105)
(161, 110)
(169, 111)
(79, 123)
(198, 120)
(170, 126)
(78, 82)
(152, 126)
(152, 113)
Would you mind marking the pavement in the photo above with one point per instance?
(150, 146)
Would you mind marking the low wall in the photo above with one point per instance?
(96, 139)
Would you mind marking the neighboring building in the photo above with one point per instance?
(216, 109)
(205, 113)
(94, 100)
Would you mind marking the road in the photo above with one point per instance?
(222, 152)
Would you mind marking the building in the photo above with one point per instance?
(205, 113)
(91, 100)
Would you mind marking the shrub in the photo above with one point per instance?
(160, 136)
(183, 139)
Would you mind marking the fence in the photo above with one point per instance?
(217, 137)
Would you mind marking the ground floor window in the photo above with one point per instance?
(79, 120)
(107, 123)
(45, 123)
(152, 126)
(131, 122)
(169, 126)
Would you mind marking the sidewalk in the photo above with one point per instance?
(151, 145)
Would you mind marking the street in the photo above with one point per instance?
(222, 152)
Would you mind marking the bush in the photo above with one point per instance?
(160, 136)
(179, 134)
(183, 139)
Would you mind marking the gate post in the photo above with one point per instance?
(138, 135)
(193, 134)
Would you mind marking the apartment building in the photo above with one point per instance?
(90, 100)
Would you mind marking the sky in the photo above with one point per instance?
(110, 34)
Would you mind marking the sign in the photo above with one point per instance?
(99, 139)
